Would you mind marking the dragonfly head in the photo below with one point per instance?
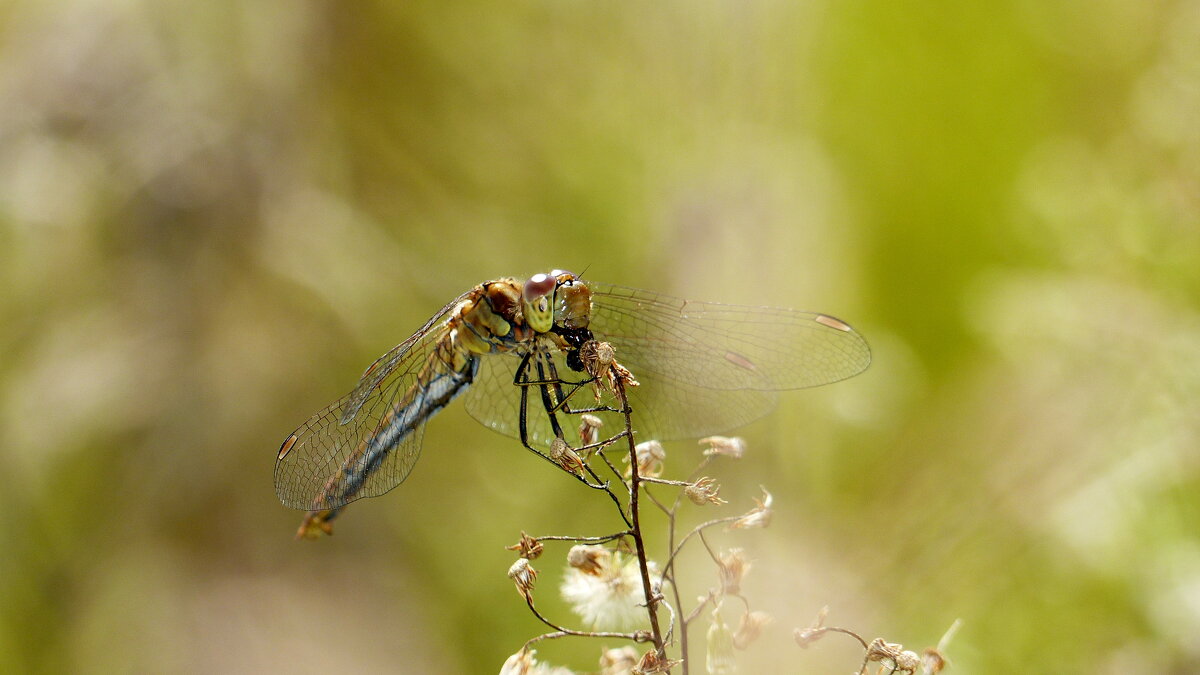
(537, 301)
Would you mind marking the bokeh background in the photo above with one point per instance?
(214, 215)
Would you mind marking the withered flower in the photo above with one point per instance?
(934, 658)
(901, 659)
(730, 446)
(732, 568)
(749, 628)
(564, 456)
(650, 456)
(604, 588)
(759, 516)
(523, 575)
(589, 428)
(528, 547)
(600, 361)
(704, 491)
(588, 559)
(807, 636)
(652, 663)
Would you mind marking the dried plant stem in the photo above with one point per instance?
(588, 540)
(559, 631)
(696, 530)
(664, 481)
(635, 489)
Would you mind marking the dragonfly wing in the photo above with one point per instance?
(384, 366)
(666, 409)
(367, 442)
(662, 409)
(725, 347)
(495, 401)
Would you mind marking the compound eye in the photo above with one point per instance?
(538, 286)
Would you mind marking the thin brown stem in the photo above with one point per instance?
(694, 531)
(559, 631)
(665, 481)
(589, 540)
(634, 489)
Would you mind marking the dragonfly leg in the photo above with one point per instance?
(521, 380)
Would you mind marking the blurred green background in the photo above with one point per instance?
(214, 215)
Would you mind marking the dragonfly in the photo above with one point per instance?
(700, 368)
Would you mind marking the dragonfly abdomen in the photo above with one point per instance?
(443, 385)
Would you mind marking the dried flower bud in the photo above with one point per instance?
(704, 491)
(750, 628)
(650, 456)
(732, 568)
(759, 516)
(933, 661)
(620, 661)
(588, 559)
(934, 658)
(907, 661)
(719, 655)
(600, 361)
(734, 446)
(528, 547)
(523, 575)
(894, 653)
(807, 636)
(651, 664)
(564, 456)
(589, 428)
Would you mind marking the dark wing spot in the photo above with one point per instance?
(832, 322)
(740, 361)
(287, 446)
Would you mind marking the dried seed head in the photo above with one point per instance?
(704, 491)
(733, 446)
(606, 590)
(528, 547)
(759, 516)
(651, 664)
(564, 456)
(523, 575)
(894, 653)
(618, 661)
(750, 628)
(589, 559)
(719, 654)
(650, 456)
(599, 360)
(732, 568)
(589, 428)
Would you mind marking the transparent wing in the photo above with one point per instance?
(383, 366)
(363, 444)
(495, 402)
(725, 347)
(662, 409)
